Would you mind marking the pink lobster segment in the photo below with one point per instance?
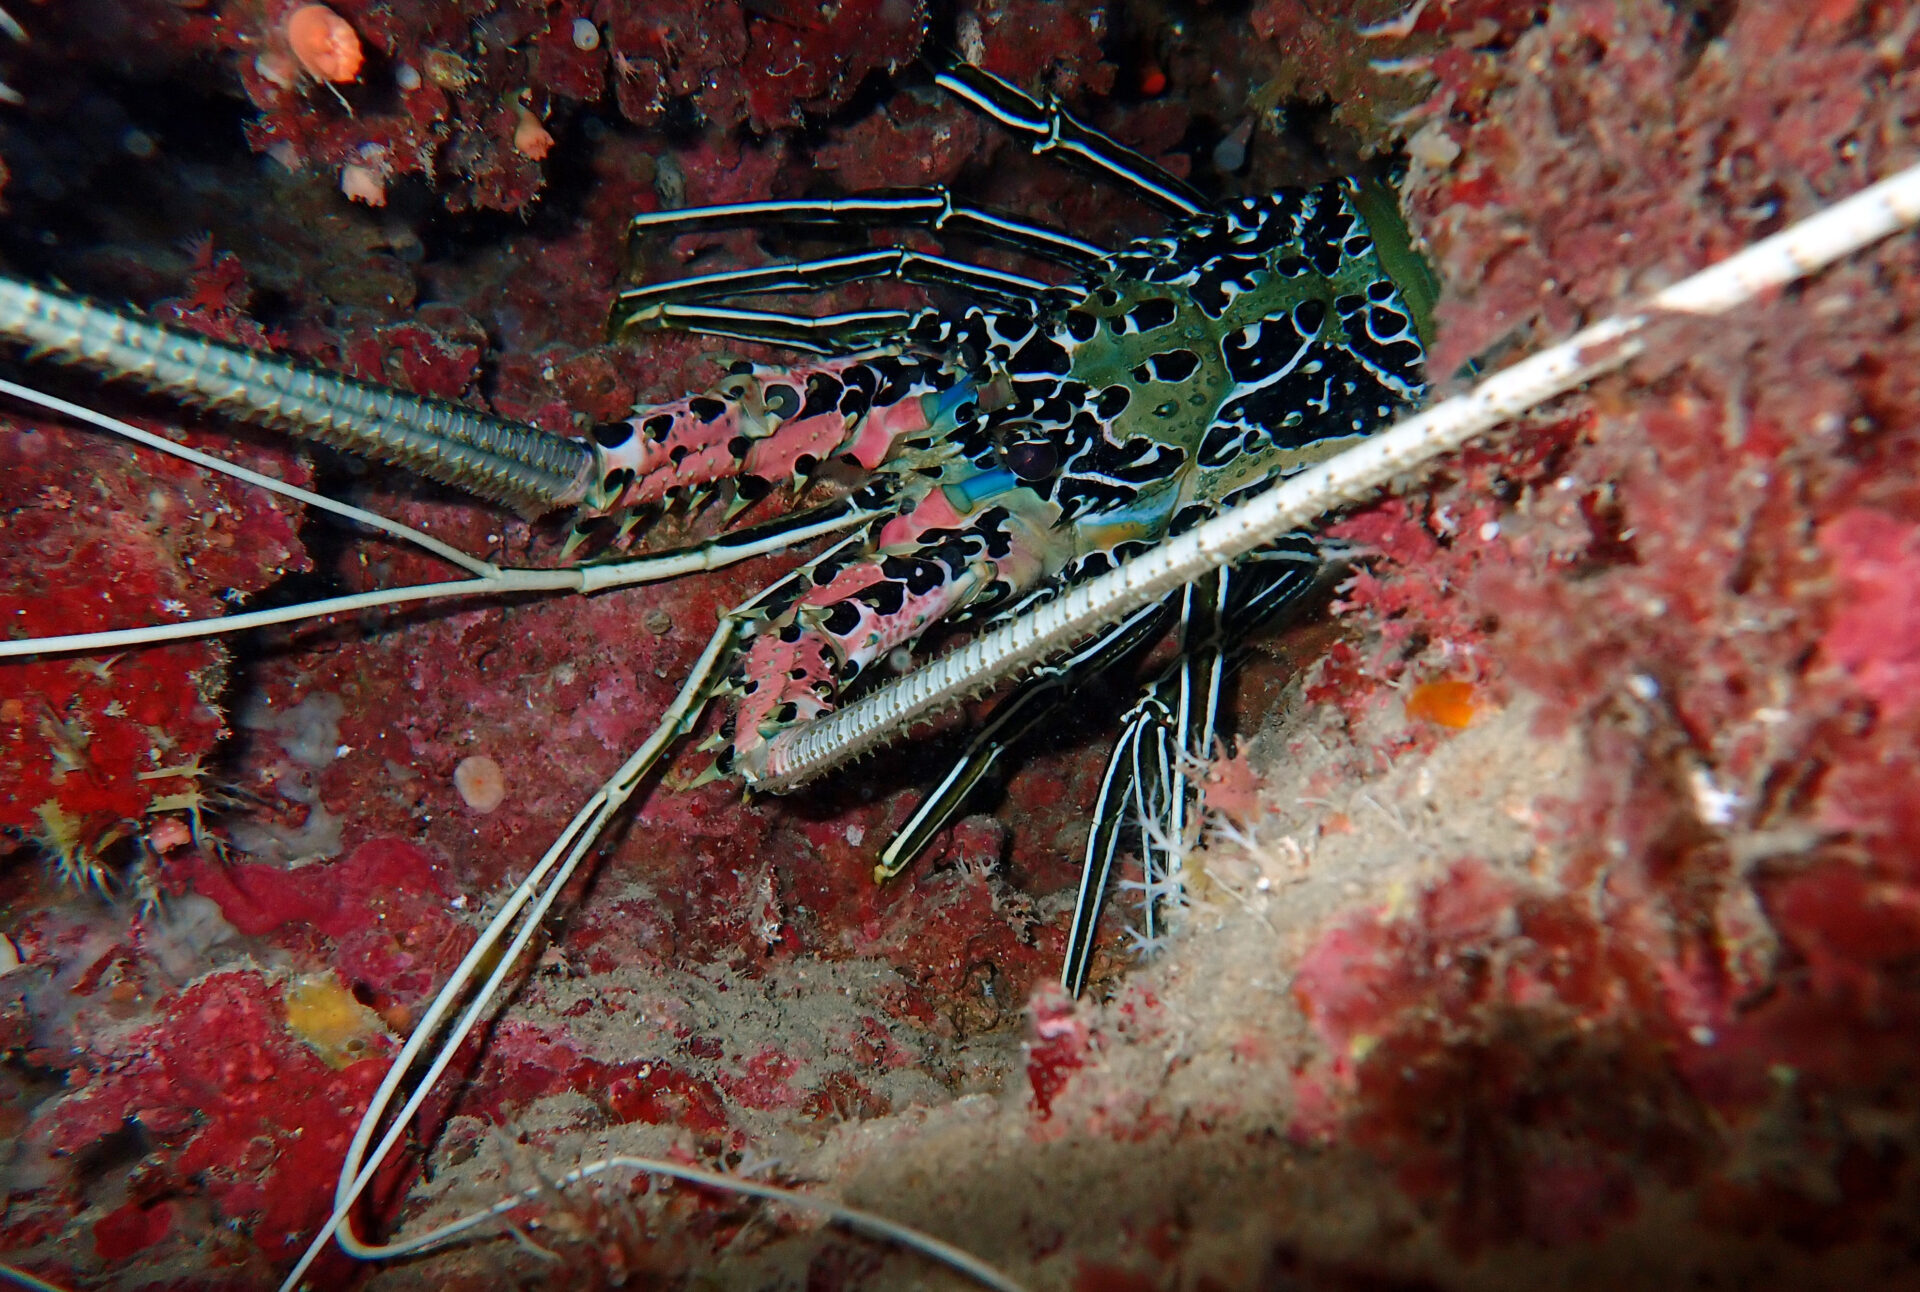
(765, 426)
(932, 564)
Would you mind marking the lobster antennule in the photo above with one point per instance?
(502, 461)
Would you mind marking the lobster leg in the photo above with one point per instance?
(1054, 129)
(932, 207)
(636, 308)
(1144, 785)
(1037, 698)
(1119, 786)
(846, 333)
(1171, 728)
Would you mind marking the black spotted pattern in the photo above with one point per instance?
(1110, 452)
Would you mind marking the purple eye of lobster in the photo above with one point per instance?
(1031, 461)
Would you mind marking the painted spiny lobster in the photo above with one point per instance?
(1003, 451)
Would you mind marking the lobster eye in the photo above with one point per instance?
(1032, 461)
(782, 401)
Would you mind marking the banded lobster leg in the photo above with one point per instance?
(637, 308)
(933, 207)
(679, 304)
(1149, 783)
(1054, 129)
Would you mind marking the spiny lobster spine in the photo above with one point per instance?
(518, 466)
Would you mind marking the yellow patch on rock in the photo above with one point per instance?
(324, 1014)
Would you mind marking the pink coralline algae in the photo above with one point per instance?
(1709, 575)
(1059, 1048)
(424, 90)
(1874, 637)
(95, 751)
(1504, 1059)
(236, 1110)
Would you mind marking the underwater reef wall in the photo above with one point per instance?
(1572, 931)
